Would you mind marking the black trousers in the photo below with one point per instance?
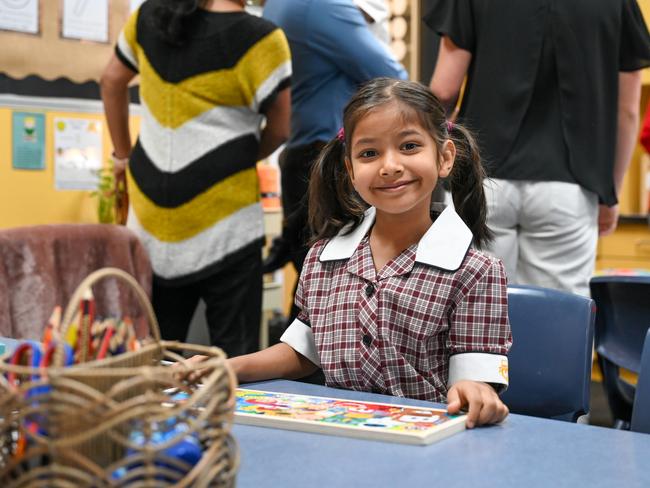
(233, 299)
(295, 166)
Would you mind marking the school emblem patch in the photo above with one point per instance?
(503, 369)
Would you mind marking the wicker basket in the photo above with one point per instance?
(99, 423)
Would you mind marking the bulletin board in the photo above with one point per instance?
(49, 56)
(30, 197)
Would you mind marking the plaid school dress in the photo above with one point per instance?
(434, 315)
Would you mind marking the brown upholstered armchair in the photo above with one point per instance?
(40, 267)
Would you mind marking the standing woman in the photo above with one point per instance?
(210, 75)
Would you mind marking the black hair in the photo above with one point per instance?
(333, 202)
(171, 18)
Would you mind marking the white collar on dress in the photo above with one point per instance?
(444, 245)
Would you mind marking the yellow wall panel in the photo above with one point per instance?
(28, 197)
(645, 9)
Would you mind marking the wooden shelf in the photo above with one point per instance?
(628, 247)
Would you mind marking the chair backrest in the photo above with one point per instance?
(41, 266)
(641, 410)
(623, 318)
(550, 359)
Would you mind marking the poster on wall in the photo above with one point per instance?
(28, 140)
(85, 19)
(77, 153)
(19, 15)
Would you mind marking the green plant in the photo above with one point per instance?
(105, 194)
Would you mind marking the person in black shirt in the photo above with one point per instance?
(553, 90)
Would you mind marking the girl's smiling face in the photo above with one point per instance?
(394, 163)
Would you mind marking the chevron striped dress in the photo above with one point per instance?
(192, 180)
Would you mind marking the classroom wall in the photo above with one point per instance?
(28, 197)
(51, 56)
(645, 10)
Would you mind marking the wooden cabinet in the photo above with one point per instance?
(645, 10)
(404, 28)
(628, 247)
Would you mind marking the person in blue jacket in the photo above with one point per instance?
(333, 52)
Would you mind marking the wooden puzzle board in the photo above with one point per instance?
(334, 416)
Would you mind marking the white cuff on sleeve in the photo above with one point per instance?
(300, 337)
(477, 366)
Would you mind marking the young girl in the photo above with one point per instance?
(393, 297)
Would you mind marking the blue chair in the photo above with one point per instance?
(550, 359)
(641, 410)
(622, 321)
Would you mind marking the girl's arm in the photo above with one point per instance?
(480, 339)
(277, 361)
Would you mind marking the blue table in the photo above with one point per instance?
(523, 452)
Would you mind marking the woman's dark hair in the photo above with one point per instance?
(170, 18)
(333, 202)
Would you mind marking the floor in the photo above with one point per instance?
(600, 414)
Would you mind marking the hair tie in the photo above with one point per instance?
(450, 126)
(341, 135)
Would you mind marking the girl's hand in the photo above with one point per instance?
(482, 403)
(193, 376)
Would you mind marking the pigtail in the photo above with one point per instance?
(466, 184)
(333, 202)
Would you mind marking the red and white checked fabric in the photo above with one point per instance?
(394, 332)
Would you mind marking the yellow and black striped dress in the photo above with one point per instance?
(192, 180)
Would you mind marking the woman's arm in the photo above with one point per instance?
(276, 131)
(114, 86)
(629, 99)
(449, 73)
